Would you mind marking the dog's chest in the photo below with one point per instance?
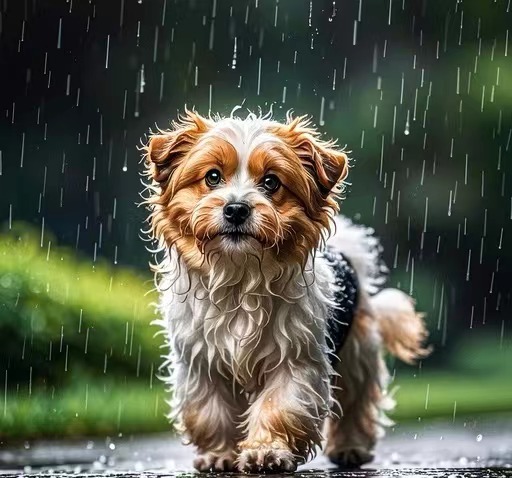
(242, 322)
(242, 334)
(243, 331)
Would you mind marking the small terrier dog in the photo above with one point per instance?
(271, 303)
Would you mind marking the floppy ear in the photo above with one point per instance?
(165, 150)
(327, 166)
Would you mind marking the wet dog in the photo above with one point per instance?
(272, 304)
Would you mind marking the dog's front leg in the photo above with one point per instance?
(208, 414)
(283, 423)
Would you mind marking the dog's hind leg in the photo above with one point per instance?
(360, 390)
(389, 321)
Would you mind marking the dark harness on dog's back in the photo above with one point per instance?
(346, 294)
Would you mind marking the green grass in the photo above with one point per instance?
(477, 379)
(99, 407)
(442, 395)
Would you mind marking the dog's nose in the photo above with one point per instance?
(236, 212)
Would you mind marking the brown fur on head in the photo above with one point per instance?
(187, 210)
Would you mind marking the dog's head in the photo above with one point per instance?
(233, 185)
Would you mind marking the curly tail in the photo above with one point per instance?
(402, 329)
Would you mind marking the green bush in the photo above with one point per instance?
(62, 318)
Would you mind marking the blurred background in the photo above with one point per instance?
(419, 91)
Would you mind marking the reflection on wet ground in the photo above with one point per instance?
(472, 449)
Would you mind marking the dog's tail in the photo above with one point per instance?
(402, 328)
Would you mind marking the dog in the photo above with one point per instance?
(272, 304)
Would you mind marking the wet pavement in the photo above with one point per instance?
(471, 449)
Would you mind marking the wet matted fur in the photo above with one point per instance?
(244, 306)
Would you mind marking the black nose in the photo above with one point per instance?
(236, 212)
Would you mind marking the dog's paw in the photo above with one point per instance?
(274, 458)
(351, 457)
(206, 462)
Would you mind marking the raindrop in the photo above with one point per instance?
(394, 126)
(233, 62)
(426, 215)
(121, 14)
(66, 359)
(59, 35)
(124, 103)
(107, 53)
(42, 231)
(322, 107)
(468, 266)
(479, 438)
(164, 8)
(142, 80)
(259, 78)
(22, 149)
(155, 45)
(5, 394)
(161, 95)
(86, 341)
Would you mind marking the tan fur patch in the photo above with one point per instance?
(278, 427)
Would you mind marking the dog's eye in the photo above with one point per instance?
(271, 183)
(213, 177)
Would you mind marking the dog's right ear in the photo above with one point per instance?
(166, 150)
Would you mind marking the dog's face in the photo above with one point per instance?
(237, 185)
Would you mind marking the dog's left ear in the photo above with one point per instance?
(326, 165)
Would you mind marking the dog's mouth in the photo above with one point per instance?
(236, 236)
